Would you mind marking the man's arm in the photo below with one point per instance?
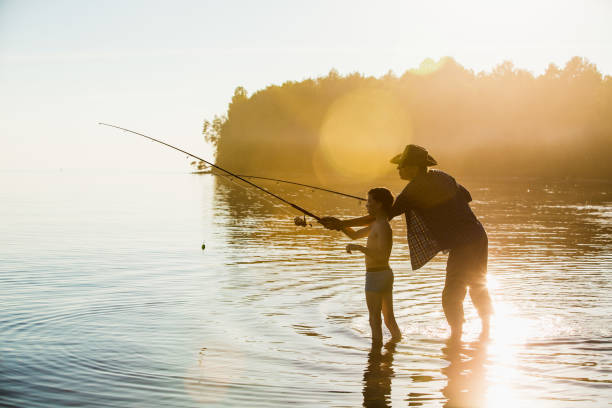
(401, 204)
(464, 193)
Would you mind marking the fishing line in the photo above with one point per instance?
(249, 191)
(304, 185)
(296, 184)
(297, 207)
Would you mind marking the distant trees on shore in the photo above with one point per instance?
(507, 122)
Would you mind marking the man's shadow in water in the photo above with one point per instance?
(466, 374)
(377, 375)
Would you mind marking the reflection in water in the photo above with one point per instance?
(377, 375)
(466, 385)
(280, 309)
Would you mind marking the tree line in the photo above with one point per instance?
(507, 122)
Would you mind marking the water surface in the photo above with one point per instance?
(109, 300)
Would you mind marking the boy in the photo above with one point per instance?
(379, 276)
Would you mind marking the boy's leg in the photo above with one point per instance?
(374, 301)
(389, 316)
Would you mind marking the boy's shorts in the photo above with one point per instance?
(379, 281)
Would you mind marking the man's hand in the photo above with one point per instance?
(331, 223)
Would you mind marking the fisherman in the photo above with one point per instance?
(379, 276)
(439, 218)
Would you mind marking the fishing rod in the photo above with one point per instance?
(304, 185)
(287, 182)
(295, 184)
(297, 207)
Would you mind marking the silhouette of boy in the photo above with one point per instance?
(379, 276)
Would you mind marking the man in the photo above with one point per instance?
(438, 217)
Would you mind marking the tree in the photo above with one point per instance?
(212, 130)
(502, 122)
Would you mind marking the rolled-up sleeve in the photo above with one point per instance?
(464, 193)
(401, 204)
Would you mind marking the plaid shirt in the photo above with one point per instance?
(438, 216)
(421, 242)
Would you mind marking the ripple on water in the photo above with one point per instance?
(136, 314)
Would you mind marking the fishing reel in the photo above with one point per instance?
(301, 222)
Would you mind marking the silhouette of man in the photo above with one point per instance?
(439, 218)
(466, 373)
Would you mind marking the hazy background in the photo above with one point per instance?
(163, 67)
(507, 123)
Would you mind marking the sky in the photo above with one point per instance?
(163, 67)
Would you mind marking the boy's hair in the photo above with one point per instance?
(383, 196)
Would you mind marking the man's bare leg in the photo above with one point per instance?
(486, 327)
(482, 301)
(374, 301)
(389, 316)
(452, 302)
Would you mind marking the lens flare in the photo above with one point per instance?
(361, 132)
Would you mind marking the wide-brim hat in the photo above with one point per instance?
(414, 155)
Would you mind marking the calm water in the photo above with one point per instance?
(108, 299)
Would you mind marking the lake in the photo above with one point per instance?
(108, 298)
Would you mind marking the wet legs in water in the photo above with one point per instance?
(467, 268)
(382, 302)
(452, 301)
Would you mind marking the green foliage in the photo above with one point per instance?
(506, 122)
(212, 130)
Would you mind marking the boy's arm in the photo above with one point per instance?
(352, 234)
(378, 255)
(382, 251)
(357, 222)
(337, 224)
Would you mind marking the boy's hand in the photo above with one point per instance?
(351, 247)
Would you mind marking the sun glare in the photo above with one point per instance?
(358, 137)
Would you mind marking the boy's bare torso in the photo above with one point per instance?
(380, 242)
